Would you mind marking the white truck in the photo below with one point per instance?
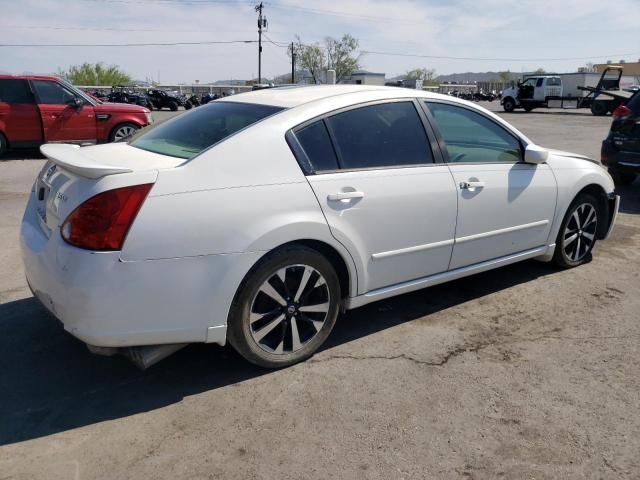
(602, 94)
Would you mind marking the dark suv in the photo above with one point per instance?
(621, 148)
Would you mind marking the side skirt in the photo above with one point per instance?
(420, 283)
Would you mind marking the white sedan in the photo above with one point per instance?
(255, 219)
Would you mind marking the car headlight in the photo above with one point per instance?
(149, 118)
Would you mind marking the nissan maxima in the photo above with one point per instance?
(256, 219)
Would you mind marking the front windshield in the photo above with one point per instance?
(190, 133)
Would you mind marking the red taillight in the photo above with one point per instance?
(622, 111)
(102, 222)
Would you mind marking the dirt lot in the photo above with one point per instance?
(524, 372)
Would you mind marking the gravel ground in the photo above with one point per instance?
(521, 373)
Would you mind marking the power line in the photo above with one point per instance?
(146, 44)
(107, 29)
(443, 57)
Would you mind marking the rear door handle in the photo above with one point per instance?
(471, 185)
(333, 197)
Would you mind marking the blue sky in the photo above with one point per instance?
(498, 34)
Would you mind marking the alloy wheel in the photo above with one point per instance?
(123, 132)
(580, 232)
(289, 309)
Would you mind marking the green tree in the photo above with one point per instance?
(340, 56)
(505, 77)
(424, 74)
(540, 71)
(95, 74)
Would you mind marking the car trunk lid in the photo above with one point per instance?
(73, 174)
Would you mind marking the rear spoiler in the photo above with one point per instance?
(70, 157)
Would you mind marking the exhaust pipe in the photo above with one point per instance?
(143, 357)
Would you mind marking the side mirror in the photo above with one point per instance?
(535, 154)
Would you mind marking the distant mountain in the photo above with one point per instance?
(230, 82)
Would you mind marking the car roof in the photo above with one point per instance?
(288, 97)
(29, 77)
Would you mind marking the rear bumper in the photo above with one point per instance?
(107, 302)
(619, 160)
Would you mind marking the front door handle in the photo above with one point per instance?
(471, 185)
(333, 197)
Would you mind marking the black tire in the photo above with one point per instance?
(173, 106)
(3, 145)
(599, 109)
(187, 106)
(117, 131)
(622, 178)
(283, 320)
(566, 245)
(509, 104)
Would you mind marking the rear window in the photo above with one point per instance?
(14, 91)
(190, 133)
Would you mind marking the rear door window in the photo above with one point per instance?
(383, 135)
(14, 91)
(189, 134)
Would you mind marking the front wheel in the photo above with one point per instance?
(173, 106)
(578, 232)
(285, 308)
(509, 104)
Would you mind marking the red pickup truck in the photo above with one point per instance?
(40, 109)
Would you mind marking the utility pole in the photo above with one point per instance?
(293, 63)
(262, 23)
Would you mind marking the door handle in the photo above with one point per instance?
(344, 196)
(471, 185)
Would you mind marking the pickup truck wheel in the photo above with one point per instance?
(123, 131)
(509, 104)
(173, 106)
(599, 109)
(3, 145)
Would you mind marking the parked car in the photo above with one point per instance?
(39, 109)
(255, 219)
(161, 99)
(621, 148)
(119, 94)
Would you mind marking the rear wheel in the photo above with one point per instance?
(285, 308)
(123, 131)
(622, 178)
(509, 104)
(578, 232)
(3, 145)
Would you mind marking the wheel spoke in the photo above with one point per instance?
(264, 331)
(316, 323)
(295, 336)
(321, 307)
(588, 235)
(576, 218)
(577, 253)
(303, 283)
(591, 217)
(255, 316)
(571, 239)
(272, 293)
